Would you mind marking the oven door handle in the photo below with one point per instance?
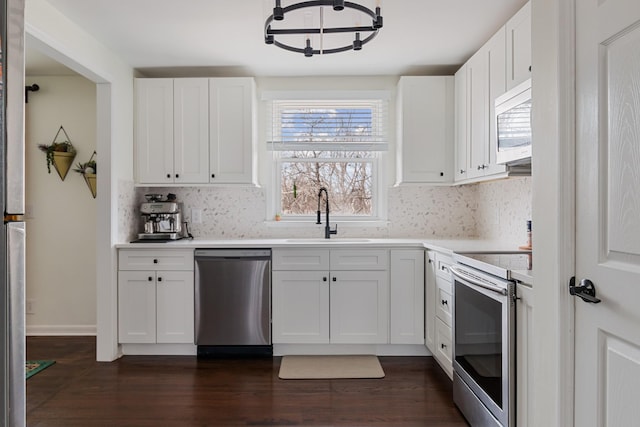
(473, 281)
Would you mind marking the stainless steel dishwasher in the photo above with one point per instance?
(233, 302)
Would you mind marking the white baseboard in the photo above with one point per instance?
(377, 349)
(61, 330)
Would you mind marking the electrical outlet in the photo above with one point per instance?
(196, 216)
(29, 306)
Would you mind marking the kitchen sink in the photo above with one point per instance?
(333, 240)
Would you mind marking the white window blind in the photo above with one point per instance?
(328, 125)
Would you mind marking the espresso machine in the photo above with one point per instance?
(162, 219)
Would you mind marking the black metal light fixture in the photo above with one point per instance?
(276, 35)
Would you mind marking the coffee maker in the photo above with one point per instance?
(162, 219)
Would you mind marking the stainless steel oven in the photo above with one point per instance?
(484, 345)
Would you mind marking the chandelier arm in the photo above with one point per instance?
(270, 32)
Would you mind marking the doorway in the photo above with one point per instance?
(60, 214)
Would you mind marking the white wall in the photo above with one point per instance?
(50, 32)
(61, 215)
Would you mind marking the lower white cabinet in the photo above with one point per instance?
(524, 348)
(438, 309)
(407, 297)
(300, 302)
(155, 305)
(345, 304)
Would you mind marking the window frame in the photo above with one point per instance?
(378, 161)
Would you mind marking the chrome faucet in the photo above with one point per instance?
(327, 228)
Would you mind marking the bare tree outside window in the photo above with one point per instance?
(347, 174)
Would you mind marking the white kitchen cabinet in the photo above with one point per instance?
(484, 77)
(518, 32)
(172, 136)
(461, 167)
(313, 302)
(407, 287)
(156, 304)
(501, 63)
(195, 131)
(300, 306)
(439, 308)
(430, 301)
(525, 378)
(359, 307)
(232, 126)
(425, 129)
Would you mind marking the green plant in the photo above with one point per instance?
(86, 167)
(55, 147)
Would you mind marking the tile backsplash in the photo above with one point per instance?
(495, 210)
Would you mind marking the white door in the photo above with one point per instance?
(174, 307)
(607, 335)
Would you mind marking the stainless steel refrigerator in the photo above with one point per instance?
(12, 245)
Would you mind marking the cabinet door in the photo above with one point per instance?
(478, 113)
(232, 142)
(425, 129)
(461, 125)
(444, 350)
(430, 301)
(137, 307)
(518, 31)
(359, 307)
(154, 130)
(496, 59)
(174, 307)
(407, 297)
(191, 130)
(524, 349)
(300, 307)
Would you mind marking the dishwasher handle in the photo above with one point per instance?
(232, 253)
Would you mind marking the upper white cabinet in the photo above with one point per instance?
(195, 131)
(232, 115)
(518, 31)
(172, 136)
(425, 114)
(485, 76)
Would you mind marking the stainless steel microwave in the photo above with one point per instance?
(513, 125)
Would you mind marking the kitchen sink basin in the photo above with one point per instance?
(333, 240)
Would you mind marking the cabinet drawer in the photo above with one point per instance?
(154, 259)
(300, 259)
(444, 350)
(443, 264)
(443, 301)
(359, 259)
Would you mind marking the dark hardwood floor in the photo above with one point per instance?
(186, 391)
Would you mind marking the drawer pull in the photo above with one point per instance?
(334, 279)
(324, 279)
(444, 302)
(443, 346)
(159, 279)
(155, 261)
(444, 268)
(150, 279)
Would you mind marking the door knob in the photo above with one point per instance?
(586, 290)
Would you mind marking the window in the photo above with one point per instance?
(334, 144)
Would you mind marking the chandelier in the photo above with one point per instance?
(332, 30)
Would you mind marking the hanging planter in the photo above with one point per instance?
(60, 153)
(88, 171)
